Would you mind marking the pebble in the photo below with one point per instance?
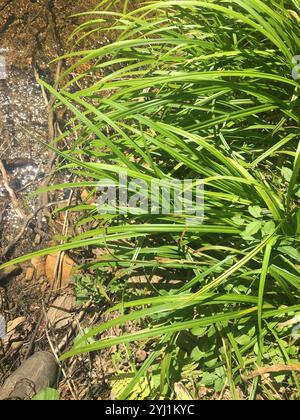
(29, 273)
(140, 356)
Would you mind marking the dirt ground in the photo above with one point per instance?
(38, 29)
(34, 32)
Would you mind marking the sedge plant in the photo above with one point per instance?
(190, 89)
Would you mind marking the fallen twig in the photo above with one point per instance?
(52, 132)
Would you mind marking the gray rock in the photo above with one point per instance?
(35, 374)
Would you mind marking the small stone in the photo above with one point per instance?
(140, 356)
(39, 265)
(29, 274)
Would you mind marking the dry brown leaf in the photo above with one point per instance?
(274, 369)
(67, 270)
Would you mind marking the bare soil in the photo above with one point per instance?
(34, 32)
